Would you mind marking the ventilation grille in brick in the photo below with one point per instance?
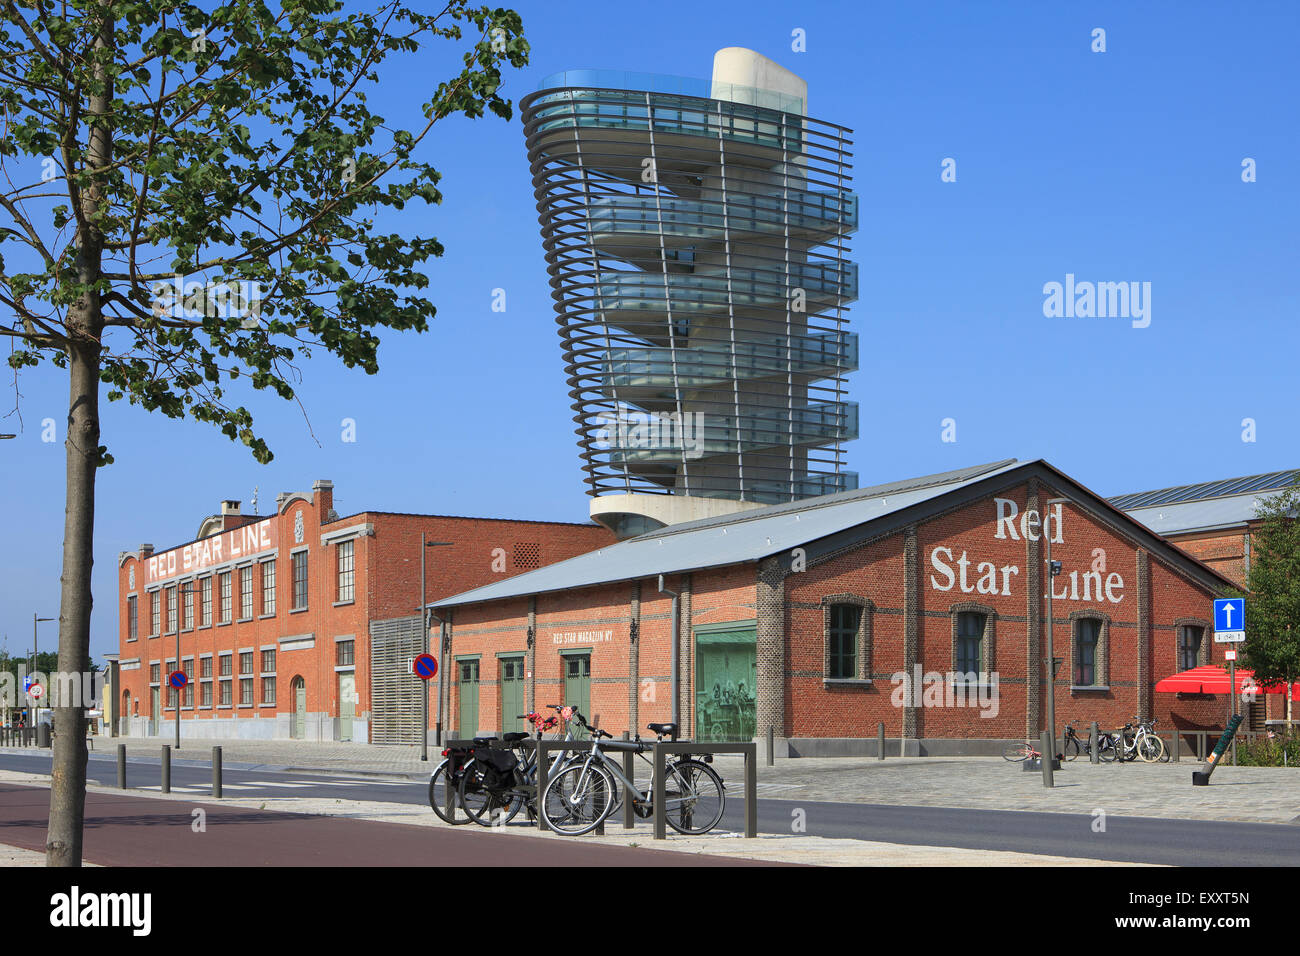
(528, 554)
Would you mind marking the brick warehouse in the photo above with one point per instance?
(302, 623)
(802, 617)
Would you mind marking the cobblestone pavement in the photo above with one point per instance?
(1254, 794)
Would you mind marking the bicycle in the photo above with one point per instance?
(444, 782)
(580, 797)
(500, 783)
(1020, 751)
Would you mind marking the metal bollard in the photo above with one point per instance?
(629, 768)
(1094, 740)
(166, 768)
(1046, 757)
(880, 741)
(1174, 747)
(771, 745)
(216, 772)
(121, 766)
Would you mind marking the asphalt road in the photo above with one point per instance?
(1124, 838)
(127, 830)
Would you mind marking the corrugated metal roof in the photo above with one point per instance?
(1272, 481)
(730, 539)
(1198, 515)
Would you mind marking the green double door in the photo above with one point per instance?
(512, 694)
(577, 688)
(726, 679)
(467, 719)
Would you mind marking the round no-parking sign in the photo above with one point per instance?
(425, 666)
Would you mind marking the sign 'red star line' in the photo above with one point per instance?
(236, 543)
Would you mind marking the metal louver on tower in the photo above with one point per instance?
(695, 235)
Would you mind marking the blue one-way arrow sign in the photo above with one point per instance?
(1229, 620)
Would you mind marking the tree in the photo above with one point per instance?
(190, 193)
(1272, 646)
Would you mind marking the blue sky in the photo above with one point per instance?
(1115, 166)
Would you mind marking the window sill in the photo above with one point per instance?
(343, 603)
(223, 706)
(244, 620)
(1074, 687)
(223, 624)
(846, 682)
(263, 617)
(266, 705)
(298, 610)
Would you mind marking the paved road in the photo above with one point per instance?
(139, 831)
(1126, 838)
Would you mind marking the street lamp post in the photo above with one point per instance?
(424, 638)
(1052, 570)
(35, 651)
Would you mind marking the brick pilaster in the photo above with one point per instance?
(1144, 646)
(911, 627)
(770, 705)
(634, 659)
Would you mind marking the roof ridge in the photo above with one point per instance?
(827, 501)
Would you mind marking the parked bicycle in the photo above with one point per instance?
(581, 796)
(501, 782)
(445, 781)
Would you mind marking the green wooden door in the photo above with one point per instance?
(347, 703)
(468, 720)
(726, 672)
(577, 687)
(512, 694)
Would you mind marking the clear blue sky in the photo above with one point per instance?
(1115, 166)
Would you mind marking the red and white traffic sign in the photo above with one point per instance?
(36, 690)
(1229, 655)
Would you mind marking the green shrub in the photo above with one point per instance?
(1282, 750)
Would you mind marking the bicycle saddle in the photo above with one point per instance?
(664, 730)
(485, 741)
(513, 737)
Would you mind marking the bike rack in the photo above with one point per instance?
(750, 752)
(659, 750)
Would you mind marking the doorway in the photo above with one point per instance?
(347, 703)
(467, 722)
(726, 676)
(298, 729)
(512, 694)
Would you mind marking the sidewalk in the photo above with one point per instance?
(767, 848)
(1244, 794)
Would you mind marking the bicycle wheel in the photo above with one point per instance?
(1150, 748)
(441, 789)
(1105, 748)
(693, 797)
(1071, 748)
(485, 807)
(577, 799)
(1017, 751)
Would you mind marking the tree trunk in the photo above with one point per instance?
(84, 325)
(68, 779)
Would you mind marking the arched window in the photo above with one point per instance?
(846, 624)
(973, 635)
(1090, 649)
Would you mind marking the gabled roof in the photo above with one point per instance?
(822, 524)
(730, 539)
(1272, 481)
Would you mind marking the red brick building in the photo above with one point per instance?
(1214, 521)
(920, 604)
(302, 623)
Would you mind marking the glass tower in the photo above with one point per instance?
(695, 236)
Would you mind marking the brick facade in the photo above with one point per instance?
(975, 554)
(383, 584)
